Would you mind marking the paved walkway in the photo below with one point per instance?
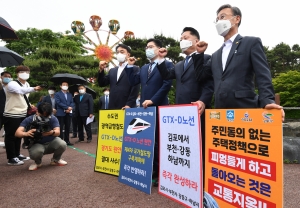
(77, 185)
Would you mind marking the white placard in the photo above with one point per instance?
(180, 168)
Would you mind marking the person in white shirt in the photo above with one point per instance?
(15, 112)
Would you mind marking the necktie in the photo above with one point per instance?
(106, 102)
(81, 96)
(150, 69)
(186, 62)
(66, 96)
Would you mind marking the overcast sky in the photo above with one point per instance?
(273, 21)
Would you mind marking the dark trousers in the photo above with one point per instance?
(12, 143)
(74, 125)
(1, 121)
(81, 121)
(64, 122)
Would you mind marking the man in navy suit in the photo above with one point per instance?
(122, 94)
(65, 105)
(235, 65)
(50, 98)
(104, 99)
(84, 107)
(154, 89)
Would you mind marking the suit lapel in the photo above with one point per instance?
(219, 59)
(187, 67)
(152, 73)
(121, 75)
(233, 49)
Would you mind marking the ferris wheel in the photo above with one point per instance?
(104, 51)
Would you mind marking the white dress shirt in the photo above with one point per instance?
(120, 70)
(226, 49)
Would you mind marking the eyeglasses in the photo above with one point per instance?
(28, 72)
(222, 16)
(150, 46)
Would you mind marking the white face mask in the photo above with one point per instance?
(106, 93)
(121, 57)
(64, 87)
(24, 76)
(223, 27)
(81, 91)
(185, 44)
(51, 92)
(150, 53)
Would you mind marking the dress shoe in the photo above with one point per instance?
(69, 144)
(89, 141)
(79, 141)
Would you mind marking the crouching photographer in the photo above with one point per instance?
(40, 133)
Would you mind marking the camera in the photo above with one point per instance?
(41, 124)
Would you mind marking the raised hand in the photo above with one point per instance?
(102, 65)
(131, 60)
(201, 46)
(162, 52)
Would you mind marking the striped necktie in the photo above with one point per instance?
(150, 69)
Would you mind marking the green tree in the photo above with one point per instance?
(47, 53)
(283, 58)
(288, 86)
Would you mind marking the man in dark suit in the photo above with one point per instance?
(188, 89)
(65, 105)
(154, 89)
(6, 78)
(50, 98)
(104, 99)
(122, 94)
(84, 107)
(234, 65)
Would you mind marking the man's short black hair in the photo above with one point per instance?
(45, 108)
(5, 72)
(105, 89)
(52, 88)
(157, 42)
(128, 49)
(235, 11)
(193, 31)
(81, 85)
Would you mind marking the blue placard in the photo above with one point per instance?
(138, 148)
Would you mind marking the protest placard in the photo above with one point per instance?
(180, 169)
(110, 138)
(138, 148)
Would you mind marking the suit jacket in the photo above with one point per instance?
(121, 92)
(47, 99)
(155, 88)
(63, 104)
(102, 102)
(85, 107)
(234, 87)
(2, 101)
(188, 89)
